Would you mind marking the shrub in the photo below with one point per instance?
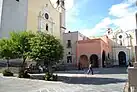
(50, 77)
(23, 74)
(7, 72)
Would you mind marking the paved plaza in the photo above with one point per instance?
(104, 80)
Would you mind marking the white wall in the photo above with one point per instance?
(1, 2)
(14, 16)
(73, 36)
(116, 52)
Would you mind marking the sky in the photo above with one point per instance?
(93, 17)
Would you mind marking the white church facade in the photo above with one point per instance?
(32, 15)
(122, 46)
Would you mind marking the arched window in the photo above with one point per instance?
(47, 27)
(46, 16)
(120, 42)
(63, 3)
(58, 2)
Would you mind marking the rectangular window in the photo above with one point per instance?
(69, 44)
(69, 59)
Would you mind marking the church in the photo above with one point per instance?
(123, 46)
(33, 15)
(115, 48)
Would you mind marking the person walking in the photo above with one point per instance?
(129, 64)
(90, 69)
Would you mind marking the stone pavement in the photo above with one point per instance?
(104, 80)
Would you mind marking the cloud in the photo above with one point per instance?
(103, 24)
(69, 4)
(71, 11)
(99, 28)
(125, 23)
(72, 14)
(124, 18)
(89, 32)
(130, 1)
(125, 15)
(119, 10)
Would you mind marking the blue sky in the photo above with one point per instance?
(91, 12)
(93, 17)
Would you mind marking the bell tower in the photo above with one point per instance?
(62, 10)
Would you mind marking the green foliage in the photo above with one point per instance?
(7, 72)
(7, 49)
(50, 77)
(23, 74)
(47, 48)
(21, 43)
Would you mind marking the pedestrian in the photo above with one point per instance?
(40, 69)
(90, 69)
(79, 66)
(129, 64)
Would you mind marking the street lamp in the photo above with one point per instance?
(135, 64)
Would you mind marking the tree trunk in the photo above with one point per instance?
(23, 63)
(8, 63)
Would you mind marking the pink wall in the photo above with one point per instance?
(93, 46)
(106, 45)
(88, 47)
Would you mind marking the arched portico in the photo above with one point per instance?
(103, 58)
(94, 60)
(83, 61)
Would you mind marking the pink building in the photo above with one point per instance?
(93, 51)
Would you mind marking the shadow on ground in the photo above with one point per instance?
(114, 70)
(93, 80)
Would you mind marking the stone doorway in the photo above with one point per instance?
(94, 60)
(122, 58)
(83, 61)
(103, 58)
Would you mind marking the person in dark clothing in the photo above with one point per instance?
(79, 66)
(129, 64)
(90, 69)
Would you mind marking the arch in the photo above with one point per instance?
(94, 60)
(83, 61)
(122, 58)
(103, 58)
(108, 56)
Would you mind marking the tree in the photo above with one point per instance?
(46, 48)
(21, 44)
(6, 50)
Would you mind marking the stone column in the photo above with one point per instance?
(135, 64)
(132, 71)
